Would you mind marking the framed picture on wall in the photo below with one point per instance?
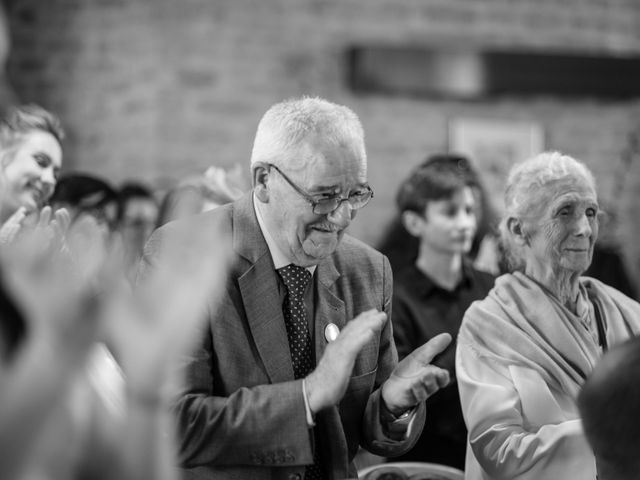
(493, 146)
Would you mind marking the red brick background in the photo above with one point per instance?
(157, 89)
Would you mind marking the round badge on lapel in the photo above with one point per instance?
(331, 332)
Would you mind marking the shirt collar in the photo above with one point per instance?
(424, 285)
(277, 255)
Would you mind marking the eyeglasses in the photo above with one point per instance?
(324, 206)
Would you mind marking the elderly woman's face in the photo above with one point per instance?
(563, 230)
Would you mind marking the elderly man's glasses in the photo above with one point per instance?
(326, 205)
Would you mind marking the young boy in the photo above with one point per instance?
(438, 205)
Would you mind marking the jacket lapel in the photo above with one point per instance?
(259, 290)
(329, 307)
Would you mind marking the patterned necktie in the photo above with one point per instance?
(296, 279)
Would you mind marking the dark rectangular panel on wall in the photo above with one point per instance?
(474, 74)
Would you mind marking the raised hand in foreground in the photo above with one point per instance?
(58, 306)
(73, 299)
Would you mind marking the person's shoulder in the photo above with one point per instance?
(217, 218)
(492, 303)
(409, 276)
(354, 257)
(484, 279)
(209, 224)
(599, 288)
(354, 249)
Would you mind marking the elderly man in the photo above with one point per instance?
(296, 366)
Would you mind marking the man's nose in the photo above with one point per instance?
(341, 216)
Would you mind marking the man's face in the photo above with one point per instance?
(322, 171)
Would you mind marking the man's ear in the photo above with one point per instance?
(514, 225)
(260, 177)
(412, 221)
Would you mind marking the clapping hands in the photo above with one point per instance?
(56, 297)
(52, 224)
(412, 381)
(70, 283)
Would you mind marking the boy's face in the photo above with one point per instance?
(449, 224)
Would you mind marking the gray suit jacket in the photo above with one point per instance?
(241, 414)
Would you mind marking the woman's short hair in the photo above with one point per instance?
(525, 182)
(437, 178)
(23, 119)
(286, 125)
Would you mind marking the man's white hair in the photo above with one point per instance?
(288, 124)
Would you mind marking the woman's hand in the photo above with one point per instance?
(52, 225)
(57, 299)
(10, 229)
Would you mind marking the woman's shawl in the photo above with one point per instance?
(518, 323)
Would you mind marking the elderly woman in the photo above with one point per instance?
(525, 350)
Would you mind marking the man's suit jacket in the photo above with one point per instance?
(242, 414)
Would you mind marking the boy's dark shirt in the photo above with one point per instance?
(422, 310)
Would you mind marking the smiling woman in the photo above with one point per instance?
(525, 351)
(30, 158)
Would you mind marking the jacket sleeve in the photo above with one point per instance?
(382, 436)
(405, 332)
(261, 425)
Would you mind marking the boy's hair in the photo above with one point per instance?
(437, 178)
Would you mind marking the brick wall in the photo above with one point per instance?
(157, 89)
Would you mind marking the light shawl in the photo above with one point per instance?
(519, 323)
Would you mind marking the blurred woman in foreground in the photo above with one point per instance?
(67, 411)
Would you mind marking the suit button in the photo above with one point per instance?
(295, 476)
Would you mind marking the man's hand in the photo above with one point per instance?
(327, 383)
(415, 379)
